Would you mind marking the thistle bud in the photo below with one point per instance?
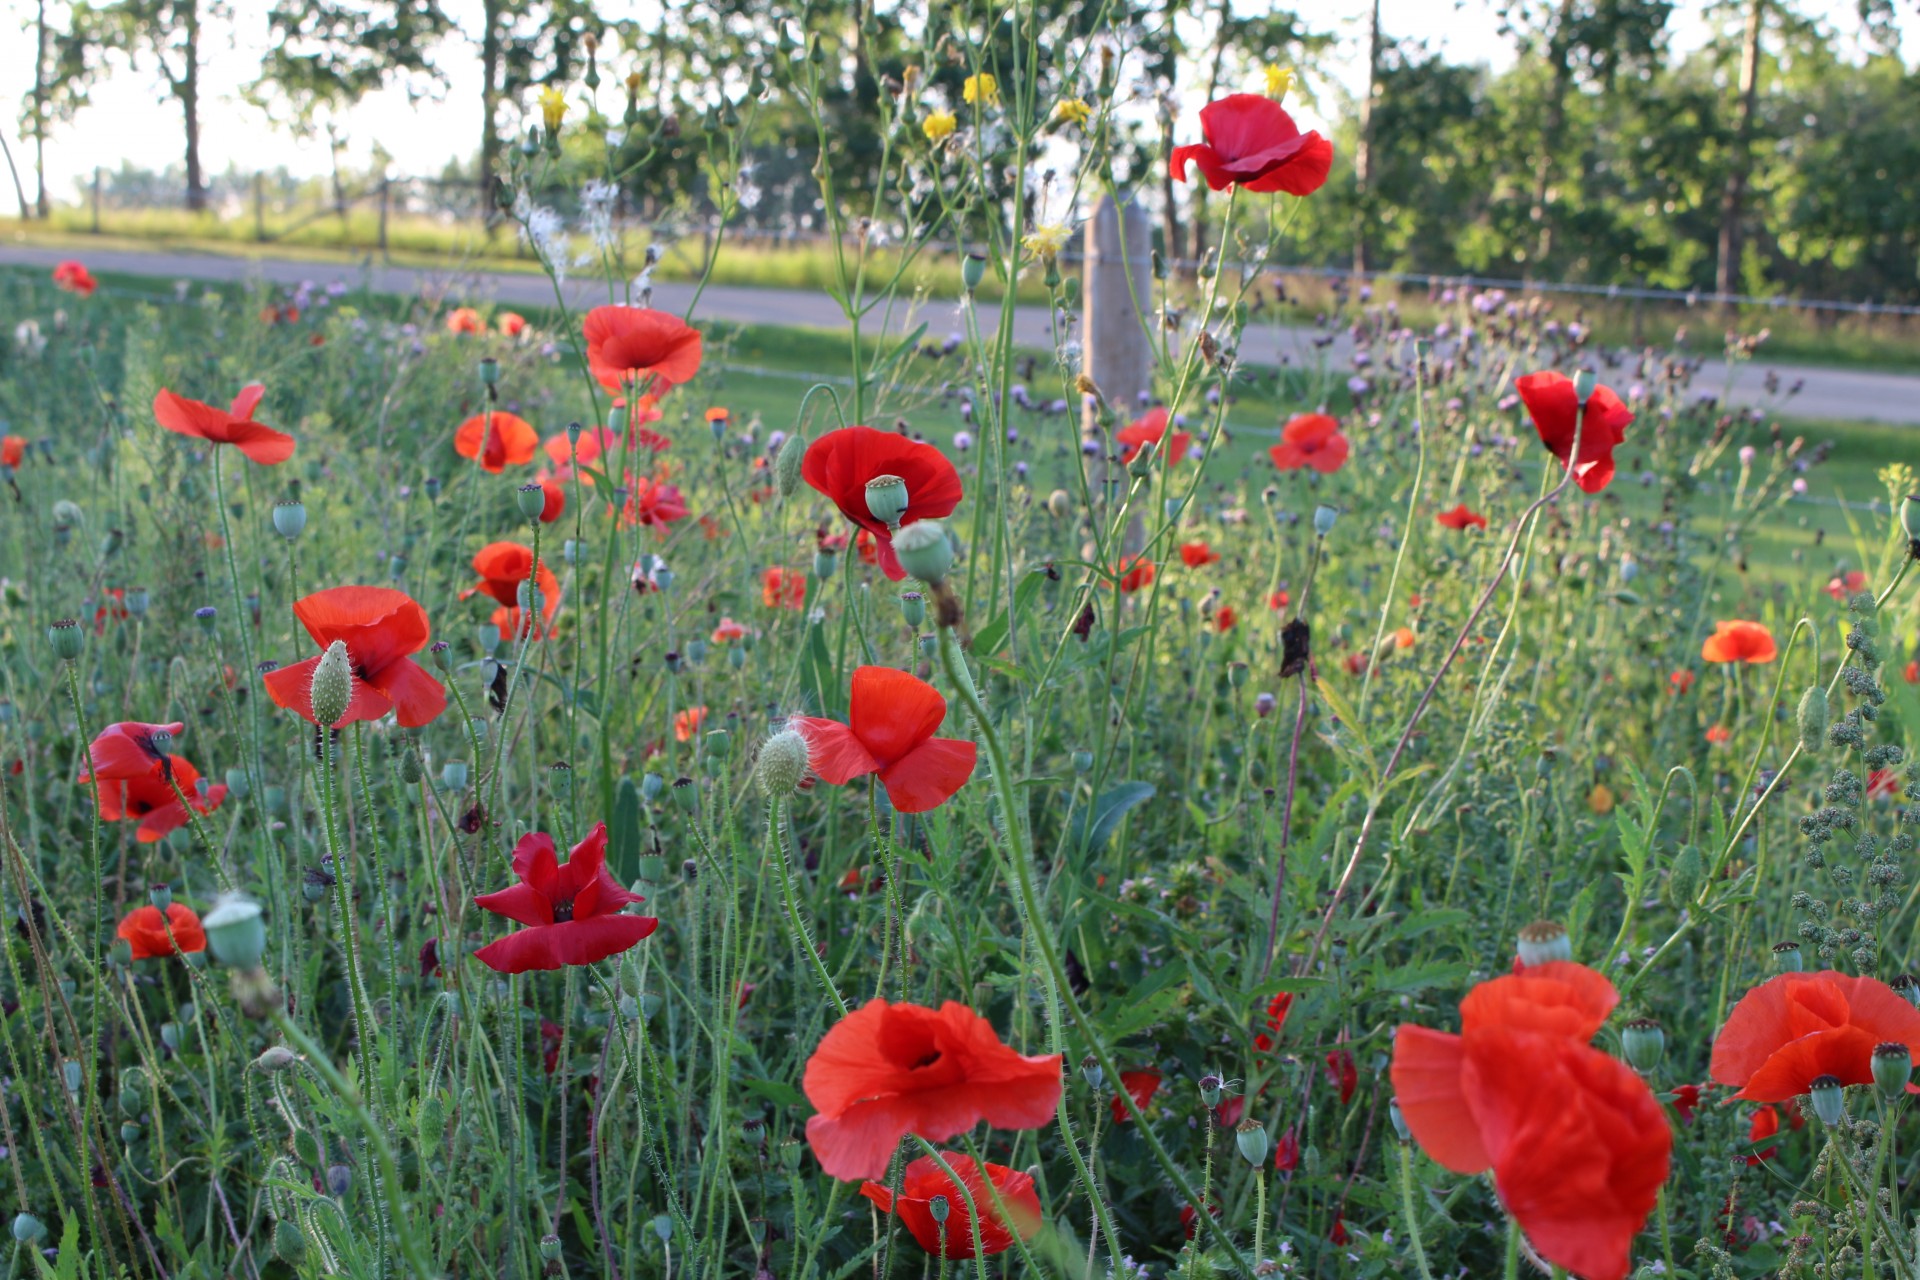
(236, 933)
(787, 465)
(1251, 1138)
(332, 685)
(1644, 1044)
(66, 639)
(1543, 942)
(783, 763)
(1811, 718)
(1786, 958)
(924, 551)
(1892, 1068)
(1829, 1099)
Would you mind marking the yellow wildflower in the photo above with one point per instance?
(981, 90)
(1046, 242)
(1279, 80)
(553, 108)
(1073, 111)
(939, 126)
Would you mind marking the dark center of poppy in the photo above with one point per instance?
(927, 1060)
(563, 911)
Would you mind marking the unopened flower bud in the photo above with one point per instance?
(332, 685)
(276, 1058)
(783, 763)
(1399, 1120)
(1543, 942)
(289, 1242)
(787, 465)
(1811, 718)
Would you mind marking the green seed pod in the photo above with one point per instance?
(28, 1229)
(1251, 1138)
(289, 1242)
(924, 550)
(1812, 718)
(332, 684)
(236, 932)
(1683, 879)
(787, 464)
(66, 639)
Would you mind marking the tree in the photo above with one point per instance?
(524, 43)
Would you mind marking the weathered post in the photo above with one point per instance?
(96, 199)
(386, 187)
(1117, 297)
(259, 206)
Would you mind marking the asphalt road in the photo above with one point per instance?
(1846, 394)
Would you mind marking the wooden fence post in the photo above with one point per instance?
(1118, 279)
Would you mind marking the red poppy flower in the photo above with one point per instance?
(1739, 642)
(1356, 664)
(866, 547)
(502, 567)
(1195, 554)
(1277, 1010)
(1311, 440)
(553, 497)
(687, 723)
(1765, 1124)
(511, 323)
(1719, 734)
(1286, 1152)
(1686, 1100)
(1797, 1026)
(1252, 142)
(1578, 1145)
(464, 320)
(1912, 672)
(234, 426)
(1342, 1074)
(1460, 518)
(652, 504)
(841, 464)
(728, 631)
(1555, 409)
(499, 440)
(1681, 681)
(892, 718)
(572, 910)
(380, 627)
(953, 1240)
(565, 453)
(1840, 586)
(1188, 1218)
(783, 589)
(126, 750)
(75, 278)
(1138, 1085)
(888, 1070)
(1224, 617)
(147, 931)
(13, 450)
(639, 349)
(1151, 428)
(150, 800)
(1135, 572)
(513, 625)
(1278, 601)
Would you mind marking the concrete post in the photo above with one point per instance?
(1117, 292)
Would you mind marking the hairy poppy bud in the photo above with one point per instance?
(289, 1242)
(236, 933)
(1786, 958)
(1644, 1044)
(924, 551)
(1543, 942)
(787, 465)
(1829, 1099)
(1251, 1138)
(783, 763)
(66, 639)
(1892, 1068)
(410, 771)
(332, 685)
(1683, 878)
(1811, 718)
(276, 1058)
(887, 499)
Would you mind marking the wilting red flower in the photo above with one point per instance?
(1342, 1074)
(1578, 1145)
(1151, 428)
(499, 440)
(75, 278)
(1840, 586)
(145, 929)
(430, 958)
(1555, 408)
(503, 566)
(13, 450)
(652, 503)
(572, 910)
(687, 723)
(638, 349)
(1460, 517)
(511, 323)
(1252, 142)
(1739, 642)
(1718, 734)
(1286, 1152)
(1798, 1026)
(464, 320)
(1138, 1085)
(1278, 601)
(1765, 1124)
(1224, 617)
(126, 750)
(924, 1179)
(234, 426)
(381, 627)
(150, 800)
(841, 464)
(1195, 554)
(1681, 681)
(888, 1070)
(1189, 1219)
(1135, 572)
(783, 589)
(892, 718)
(1686, 1100)
(1277, 1010)
(1311, 440)
(728, 631)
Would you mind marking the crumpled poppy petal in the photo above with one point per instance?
(1783, 1008)
(1558, 998)
(416, 696)
(1426, 1083)
(1844, 1052)
(833, 751)
(554, 946)
(926, 777)
(893, 711)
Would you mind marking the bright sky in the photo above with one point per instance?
(132, 119)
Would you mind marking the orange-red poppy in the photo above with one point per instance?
(1578, 1145)
(513, 625)
(1278, 600)
(1554, 405)
(150, 799)
(1224, 618)
(464, 320)
(892, 717)
(381, 628)
(1798, 1026)
(952, 1238)
(783, 588)
(639, 349)
(888, 1070)
(1739, 642)
(574, 911)
(1718, 734)
(503, 566)
(1765, 1124)
(1134, 573)
(841, 464)
(1151, 428)
(652, 504)
(1137, 1085)
(75, 278)
(498, 439)
(1311, 440)
(1252, 142)
(1460, 517)
(152, 935)
(13, 450)
(234, 426)
(511, 323)
(1195, 554)
(687, 723)
(1840, 586)
(1681, 680)
(1403, 638)
(728, 631)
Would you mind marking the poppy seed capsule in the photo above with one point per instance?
(825, 561)
(1644, 1044)
(235, 931)
(289, 518)
(1786, 958)
(161, 896)
(1210, 1090)
(66, 639)
(938, 1208)
(1090, 1071)
(1543, 942)
(913, 608)
(532, 500)
(686, 794)
(1829, 1099)
(1905, 984)
(28, 1229)
(924, 551)
(973, 269)
(1892, 1068)
(1251, 1138)
(783, 763)
(332, 686)
(1324, 517)
(887, 499)
(1811, 718)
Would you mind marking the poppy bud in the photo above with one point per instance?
(1543, 942)
(1811, 717)
(28, 1229)
(66, 639)
(913, 608)
(973, 269)
(339, 1181)
(663, 1227)
(432, 486)
(289, 1242)
(787, 464)
(130, 1132)
(1892, 1068)
(121, 952)
(532, 499)
(783, 763)
(1683, 878)
(1829, 1099)
(939, 1208)
(1251, 1138)
(410, 771)
(1399, 1120)
(1644, 1044)
(1323, 518)
(924, 551)
(1083, 762)
(314, 883)
(1090, 1071)
(1059, 504)
(453, 775)
(332, 686)
(824, 563)
(236, 933)
(276, 1058)
(686, 794)
(1786, 958)
(1210, 1090)
(887, 499)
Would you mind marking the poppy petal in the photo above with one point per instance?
(247, 401)
(926, 777)
(1844, 1052)
(518, 902)
(189, 417)
(1780, 1009)
(417, 697)
(893, 711)
(536, 861)
(261, 444)
(833, 751)
(1559, 998)
(571, 942)
(1426, 1083)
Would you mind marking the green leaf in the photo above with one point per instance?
(623, 832)
(777, 1092)
(990, 637)
(1418, 977)
(1094, 826)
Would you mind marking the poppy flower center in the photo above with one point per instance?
(563, 911)
(926, 1060)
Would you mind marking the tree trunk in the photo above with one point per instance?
(1733, 200)
(489, 89)
(189, 91)
(1170, 207)
(1363, 149)
(40, 204)
(1552, 126)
